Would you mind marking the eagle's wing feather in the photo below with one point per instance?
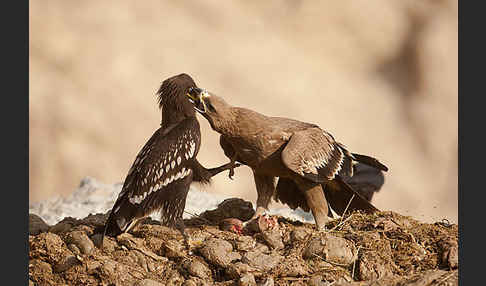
(159, 177)
(314, 154)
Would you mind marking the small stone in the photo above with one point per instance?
(331, 248)
(449, 253)
(245, 243)
(199, 269)
(173, 249)
(267, 282)
(219, 252)
(81, 240)
(298, 234)
(236, 270)
(372, 266)
(313, 249)
(247, 280)
(61, 227)
(37, 225)
(315, 280)
(189, 282)
(140, 259)
(65, 263)
(261, 261)
(74, 248)
(40, 266)
(273, 238)
(92, 266)
(293, 267)
(148, 282)
(195, 281)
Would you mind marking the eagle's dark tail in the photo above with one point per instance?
(366, 180)
(339, 194)
(123, 216)
(370, 161)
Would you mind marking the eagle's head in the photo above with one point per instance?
(218, 113)
(172, 100)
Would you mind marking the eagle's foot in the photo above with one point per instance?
(231, 172)
(187, 239)
(232, 166)
(260, 211)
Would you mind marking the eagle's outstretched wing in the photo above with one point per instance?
(159, 178)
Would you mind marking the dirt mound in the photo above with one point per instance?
(385, 248)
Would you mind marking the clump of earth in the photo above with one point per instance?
(384, 248)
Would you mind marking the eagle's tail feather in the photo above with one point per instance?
(339, 194)
(370, 161)
(123, 216)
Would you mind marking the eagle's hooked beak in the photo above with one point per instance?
(196, 96)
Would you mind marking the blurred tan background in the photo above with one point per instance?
(381, 76)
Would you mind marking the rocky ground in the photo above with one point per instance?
(385, 248)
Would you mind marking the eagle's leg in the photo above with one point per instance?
(229, 166)
(179, 225)
(265, 186)
(317, 202)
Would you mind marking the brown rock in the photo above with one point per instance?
(40, 266)
(261, 261)
(148, 282)
(61, 227)
(65, 263)
(331, 248)
(315, 280)
(298, 234)
(195, 281)
(449, 253)
(428, 278)
(37, 225)
(245, 243)
(173, 249)
(219, 252)
(372, 266)
(273, 238)
(74, 249)
(247, 280)
(266, 282)
(81, 240)
(92, 266)
(236, 270)
(293, 267)
(198, 268)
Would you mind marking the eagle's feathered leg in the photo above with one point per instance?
(316, 201)
(265, 186)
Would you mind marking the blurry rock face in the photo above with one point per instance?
(381, 76)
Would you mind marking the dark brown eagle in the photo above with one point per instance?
(163, 170)
(311, 165)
